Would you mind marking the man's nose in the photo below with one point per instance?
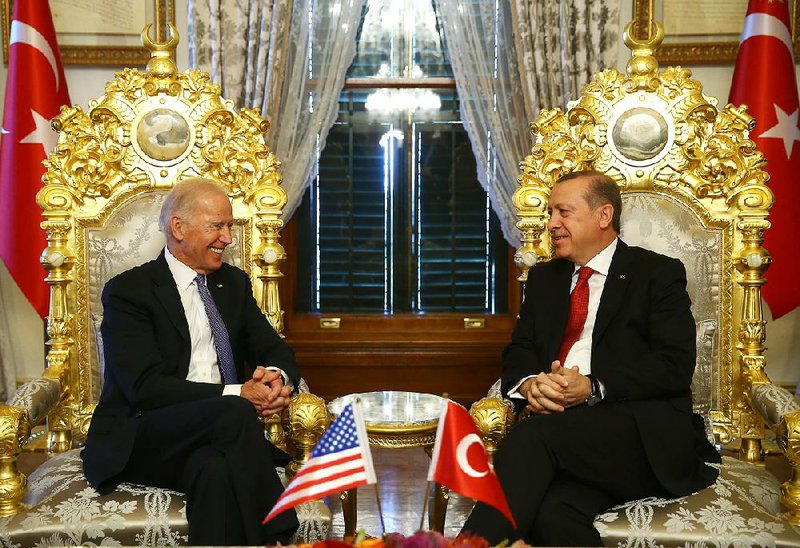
(225, 235)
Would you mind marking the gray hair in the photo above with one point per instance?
(182, 199)
(602, 190)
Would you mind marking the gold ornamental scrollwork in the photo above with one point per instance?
(308, 419)
(398, 440)
(233, 149)
(493, 417)
(89, 165)
(14, 432)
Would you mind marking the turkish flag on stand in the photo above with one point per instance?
(459, 460)
(35, 91)
(764, 80)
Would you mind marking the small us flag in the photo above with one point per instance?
(340, 461)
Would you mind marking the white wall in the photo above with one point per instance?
(86, 83)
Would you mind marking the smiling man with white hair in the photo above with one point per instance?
(190, 365)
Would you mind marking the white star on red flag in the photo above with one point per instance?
(42, 135)
(784, 129)
(764, 80)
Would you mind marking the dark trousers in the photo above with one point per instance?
(559, 471)
(215, 451)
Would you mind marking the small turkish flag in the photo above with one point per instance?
(764, 80)
(35, 91)
(460, 462)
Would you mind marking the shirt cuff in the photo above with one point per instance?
(286, 380)
(514, 394)
(232, 390)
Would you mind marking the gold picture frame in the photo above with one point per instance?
(722, 51)
(115, 55)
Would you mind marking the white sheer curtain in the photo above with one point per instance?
(287, 58)
(480, 42)
(561, 44)
(509, 60)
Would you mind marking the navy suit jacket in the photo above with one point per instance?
(643, 350)
(147, 350)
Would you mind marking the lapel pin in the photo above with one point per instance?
(219, 285)
(622, 276)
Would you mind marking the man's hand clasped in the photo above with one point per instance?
(556, 391)
(266, 391)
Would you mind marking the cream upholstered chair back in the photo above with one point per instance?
(693, 187)
(105, 182)
(666, 225)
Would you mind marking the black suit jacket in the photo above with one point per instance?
(643, 350)
(147, 350)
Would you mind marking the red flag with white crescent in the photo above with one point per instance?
(765, 81)
(35, 91)
(460, 462)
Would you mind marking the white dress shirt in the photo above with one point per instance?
(581, 352)
(203, 363)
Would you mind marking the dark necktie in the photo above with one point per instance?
(578, 310)
(222, 342)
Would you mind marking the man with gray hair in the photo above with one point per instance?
(178, 409)
(602, 356)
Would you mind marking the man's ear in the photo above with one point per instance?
(606, 215)
(176, 228)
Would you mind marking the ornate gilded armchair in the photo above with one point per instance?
(102, 192)
(694, 188)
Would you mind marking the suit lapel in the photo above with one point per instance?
(613, 291)
(167, 293)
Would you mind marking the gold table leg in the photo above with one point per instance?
(349, 508)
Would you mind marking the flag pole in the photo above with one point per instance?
(357, 403)
(380, 508)
(425, 505)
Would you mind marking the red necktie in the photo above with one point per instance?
(578, 310)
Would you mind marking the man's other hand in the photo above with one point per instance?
(576, 387)
(545, 392)
(265, 390)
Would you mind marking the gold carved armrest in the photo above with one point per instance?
(493, 415)
(304, 421)
(27, 407)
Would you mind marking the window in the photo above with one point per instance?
(396, 220)
(400, 272)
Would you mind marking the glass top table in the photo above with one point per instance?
(396, 419)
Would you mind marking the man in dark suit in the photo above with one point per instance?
(177, 409)
(603, 356)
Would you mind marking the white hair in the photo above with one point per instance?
(182, 199)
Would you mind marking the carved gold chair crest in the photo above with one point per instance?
(103, 189)
(693, 187)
